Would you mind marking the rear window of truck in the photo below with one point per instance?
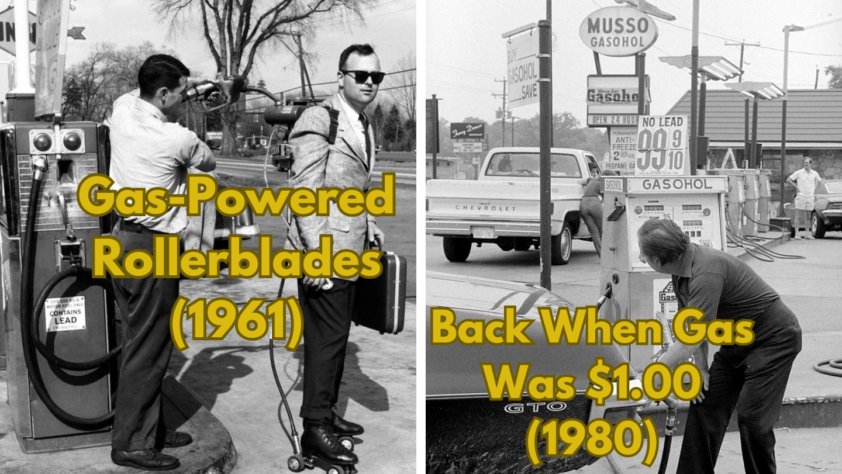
(526, 165)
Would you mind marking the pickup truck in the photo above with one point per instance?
(503, 205)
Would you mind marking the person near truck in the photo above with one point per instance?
(148, 150)
(806, 181)
(328, 304)
(591, 205)
(751, 378)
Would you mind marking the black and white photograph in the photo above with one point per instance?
(622, 273)
(208, 236)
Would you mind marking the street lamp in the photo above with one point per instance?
(787, 30)
(756, 90)
(714, 68)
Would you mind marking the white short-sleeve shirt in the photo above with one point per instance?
(149, 152)
(806, 182)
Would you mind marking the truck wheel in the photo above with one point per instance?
(817, 226)
(562, 246)
(457, 250)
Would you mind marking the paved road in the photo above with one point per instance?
(253, 168)
(578, 281)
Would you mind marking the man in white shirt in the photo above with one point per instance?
(806, 181)
(147, 151)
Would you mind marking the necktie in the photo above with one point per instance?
(364, 121)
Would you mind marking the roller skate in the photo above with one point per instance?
(321, 448)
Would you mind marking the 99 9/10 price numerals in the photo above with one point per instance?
(250, 324)
(648, 142)
(598, 437)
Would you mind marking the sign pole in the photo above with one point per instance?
(546, 113)
(23, 81)
(641, 84)
(694, 82)
(435, 132)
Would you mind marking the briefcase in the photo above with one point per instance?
(381, 301)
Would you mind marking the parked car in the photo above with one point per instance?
(467, 432)
(281, 157)
(827, 215)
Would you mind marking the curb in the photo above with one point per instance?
(213, 449)
(800, 412)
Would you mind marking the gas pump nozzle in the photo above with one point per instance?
(219, 93)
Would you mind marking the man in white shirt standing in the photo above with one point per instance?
(148, 151)
(806, 181)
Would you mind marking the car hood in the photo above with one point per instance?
(454, 369)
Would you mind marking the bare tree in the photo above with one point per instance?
(92, 86)
(237, 31)
(403, 90)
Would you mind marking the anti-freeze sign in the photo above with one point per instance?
(522, 69)
(661, 145)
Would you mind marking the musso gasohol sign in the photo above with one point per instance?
(618, 31)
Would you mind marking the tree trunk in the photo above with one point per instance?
(229, 130)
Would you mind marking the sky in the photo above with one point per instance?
(389, 27)
(466, 53)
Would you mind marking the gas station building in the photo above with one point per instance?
(814, 129)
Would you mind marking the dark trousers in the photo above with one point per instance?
(591, 210)
(146, 304)
(327, 324)
(753, 379)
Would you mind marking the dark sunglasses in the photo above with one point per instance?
(361, 76)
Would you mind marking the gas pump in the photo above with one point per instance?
(735, 199)
(62, 348)
(751, 210)
(696, 203)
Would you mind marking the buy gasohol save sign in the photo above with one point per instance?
(522, 69)
(662, 145)
(65, 314)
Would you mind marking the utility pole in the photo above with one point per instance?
(301, 64)
(816, 86)
(742, 44)
(503, 117)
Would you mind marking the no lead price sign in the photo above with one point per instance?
(661, 145)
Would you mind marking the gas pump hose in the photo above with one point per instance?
(29, 330)
(672, 407)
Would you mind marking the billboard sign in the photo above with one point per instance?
(618, 31)
(467, 130)
(522, 69)
(50, 49)
(7, 31)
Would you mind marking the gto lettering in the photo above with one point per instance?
(517, 408)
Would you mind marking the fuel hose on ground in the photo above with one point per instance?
(29, 330)
(670, 402)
